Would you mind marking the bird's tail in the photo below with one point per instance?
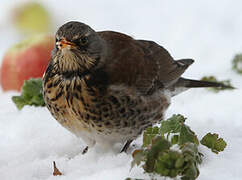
(190, 83)
(183, 84)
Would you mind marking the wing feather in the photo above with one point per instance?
(142, 64)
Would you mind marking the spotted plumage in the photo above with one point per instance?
(107, 87)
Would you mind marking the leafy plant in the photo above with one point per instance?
(31, 94)
(213, 142)
(237, 63)
(217, 89)
(172, 149)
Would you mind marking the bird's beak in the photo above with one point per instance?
(65, 44)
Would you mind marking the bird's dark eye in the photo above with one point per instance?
(83, 41)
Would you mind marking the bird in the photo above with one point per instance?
(107, 87)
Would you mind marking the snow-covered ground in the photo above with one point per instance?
(208, 31)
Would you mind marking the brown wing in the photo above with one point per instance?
(139, 63)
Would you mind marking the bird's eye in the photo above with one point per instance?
(83, 40)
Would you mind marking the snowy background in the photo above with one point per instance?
(207, 31)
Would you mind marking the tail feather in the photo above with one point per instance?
(190, 83)
(186, 62)
(183, 84)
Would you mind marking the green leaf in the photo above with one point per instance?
(191, 158)
(213, 142)
(187, 135)
(31, 94)
(159, 145)
(149, 134)
(190, 173)
(175, 139)
(237, 63)
(173, 124)
(191, 153)
(179, 162)
(19, 101)
(169, 163)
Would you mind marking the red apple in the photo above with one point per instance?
(27, 59)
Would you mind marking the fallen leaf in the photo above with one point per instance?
(56, 170)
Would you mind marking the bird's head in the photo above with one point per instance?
(78, 48)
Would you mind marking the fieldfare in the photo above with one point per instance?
(107, 87)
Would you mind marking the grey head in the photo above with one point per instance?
(78, 47)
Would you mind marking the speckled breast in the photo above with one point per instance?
(119, 110)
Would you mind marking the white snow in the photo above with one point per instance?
(208, 31)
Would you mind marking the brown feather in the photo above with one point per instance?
(139, 63)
